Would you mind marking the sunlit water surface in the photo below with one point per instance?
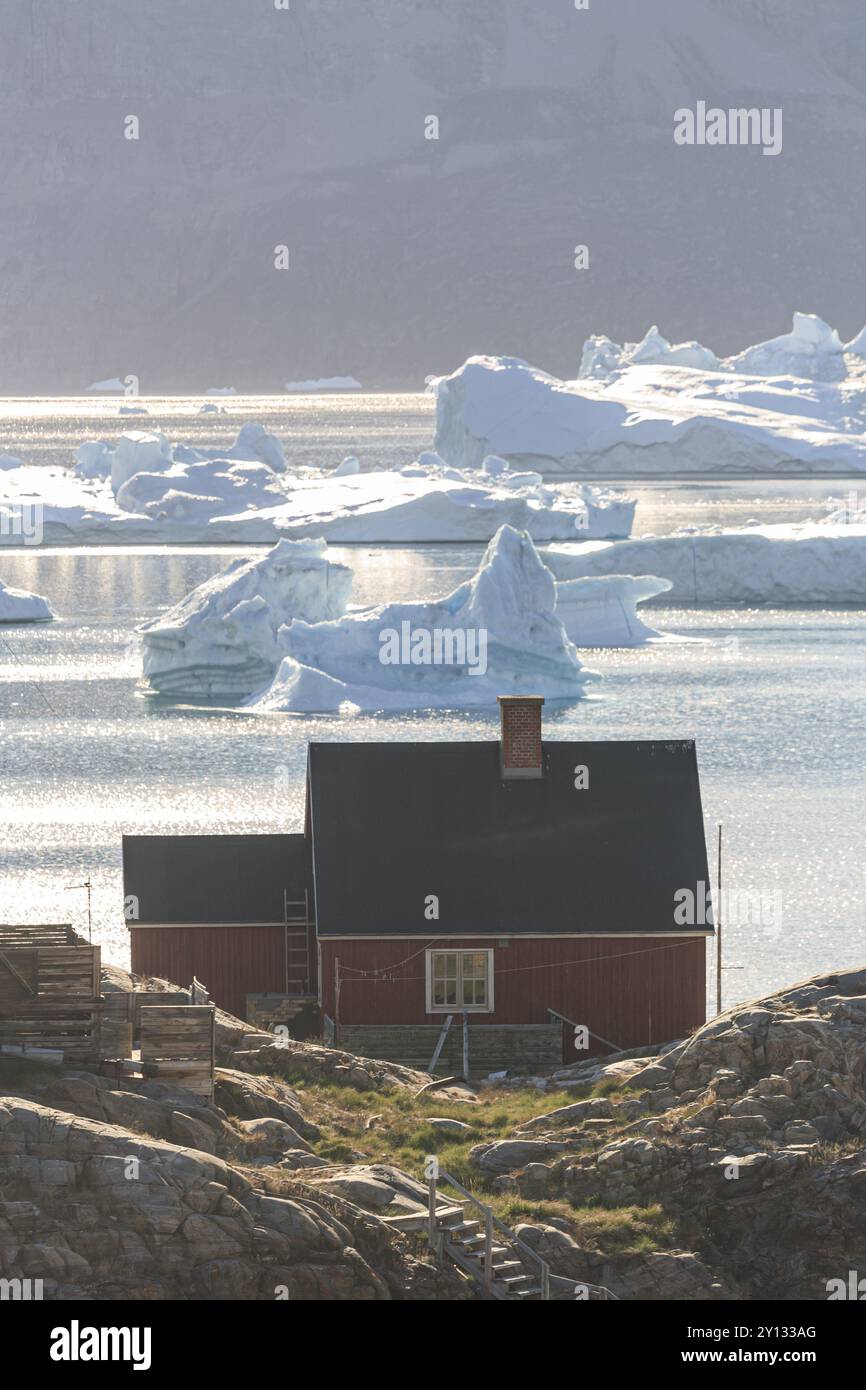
(778, 713)
(778, 717)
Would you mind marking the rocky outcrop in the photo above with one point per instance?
(656, 1277)
(98, 1212)
(752, 1131)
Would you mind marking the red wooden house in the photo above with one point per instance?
(525, 890)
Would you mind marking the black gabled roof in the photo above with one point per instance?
(213, 878)
(395, 822)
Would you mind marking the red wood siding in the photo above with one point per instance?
(630, 990)
(231, 961)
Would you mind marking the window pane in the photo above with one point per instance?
(473, 978)
(444, 971)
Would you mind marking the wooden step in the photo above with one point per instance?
(463, 1228)
(418, 1221)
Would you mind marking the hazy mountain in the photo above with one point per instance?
(306, 127)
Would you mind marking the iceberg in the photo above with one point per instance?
(808, 562)
(113, 383)
(146, 489)
(325, 383)
(649, 421)
(222, 640)
(812, 351)
(601, 612)
(498, 633)
(427, 502)
(18, 606)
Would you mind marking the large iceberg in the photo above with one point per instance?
(649, 420)
(496, 634)
(18, 606)
(510, 627)
(222, 640)
(807, 562)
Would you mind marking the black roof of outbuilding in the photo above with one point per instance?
(213, 878)
(395, 823)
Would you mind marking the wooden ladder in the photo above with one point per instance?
(297, 945)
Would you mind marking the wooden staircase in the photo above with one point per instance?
(488, 1251)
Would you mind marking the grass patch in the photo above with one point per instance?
(393, 1126)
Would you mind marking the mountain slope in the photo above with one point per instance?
(261, 127)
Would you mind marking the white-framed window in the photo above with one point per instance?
(459, 982)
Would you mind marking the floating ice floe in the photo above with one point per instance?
(324, 383)
(17, 606)
(809, 562)
(650, 420)
(221, 391)
(499, 633)
(222, 640)
(143, 488)
(427, 502)
(602, 612)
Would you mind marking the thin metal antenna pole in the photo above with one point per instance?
(719, 927)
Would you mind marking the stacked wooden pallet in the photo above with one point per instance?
(49, 999)
(177, 1045)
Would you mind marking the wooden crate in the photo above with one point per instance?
(144, 1000)
(177, 1045)
(49, 997)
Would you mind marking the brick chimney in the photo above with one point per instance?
(520, 746)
